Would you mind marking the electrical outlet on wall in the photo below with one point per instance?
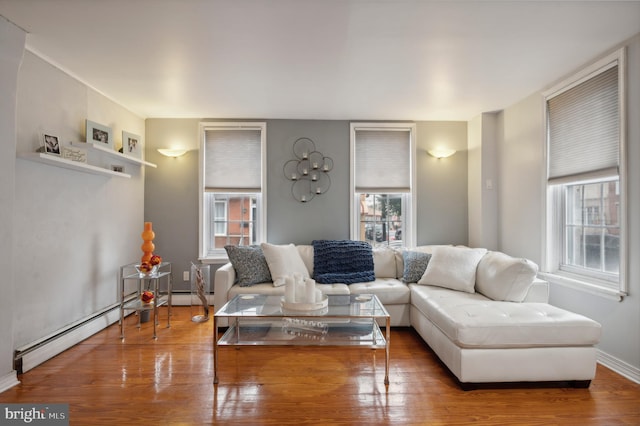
(185, 276)
(489, 184)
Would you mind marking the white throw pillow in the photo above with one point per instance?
(453, 267)
(502, 277)
(283, 261)
(384, 262)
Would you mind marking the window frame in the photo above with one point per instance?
(601, 273)
(554, 239)
(205, 214)
(375, 223)
(408, 198)
(215, 219)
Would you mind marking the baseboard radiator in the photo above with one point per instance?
(29, 356)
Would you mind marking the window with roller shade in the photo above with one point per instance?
(383, 183)
(586, 220)
(233, 186)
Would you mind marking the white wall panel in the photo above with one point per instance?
(72, 230)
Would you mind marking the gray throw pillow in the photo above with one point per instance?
(250, 265)
(415, 263)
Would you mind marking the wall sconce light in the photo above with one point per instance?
(441, 152)
(172, 152)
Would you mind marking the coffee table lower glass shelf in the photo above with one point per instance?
(258, 320)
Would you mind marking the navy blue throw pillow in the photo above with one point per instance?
(342, 261)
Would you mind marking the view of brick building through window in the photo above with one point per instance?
(234, 219)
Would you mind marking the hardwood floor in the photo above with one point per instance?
(169, 381)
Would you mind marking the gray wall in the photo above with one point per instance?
(11, 47)
(521, 154)
(324, 217)
(442, 184)
(171, 191)
(483, 179)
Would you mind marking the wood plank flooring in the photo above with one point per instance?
(168, 381)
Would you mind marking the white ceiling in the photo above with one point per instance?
(322, 59)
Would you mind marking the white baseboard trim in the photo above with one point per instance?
(184, 299)
(8, 381)
(617, 365)
(65, 340)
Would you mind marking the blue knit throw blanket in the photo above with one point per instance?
(342, 261)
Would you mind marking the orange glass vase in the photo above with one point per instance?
(147, 246)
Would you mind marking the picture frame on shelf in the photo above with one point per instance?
(51, 144)
(117, 168)
(74, 153)
(99, 135)
(131, 144)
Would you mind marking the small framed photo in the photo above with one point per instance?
(100, 135)
(51, 144)
(74, 153)
(131, 145)
(119, 169)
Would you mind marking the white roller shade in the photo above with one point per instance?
(584, 123)
(232, 160)
(383, 160)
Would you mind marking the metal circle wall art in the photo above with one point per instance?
(308, 171)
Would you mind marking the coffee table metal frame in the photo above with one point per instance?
(260, 320)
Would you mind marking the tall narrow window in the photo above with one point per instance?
(383, 176)
(220, 216)
(586, 179)
(232, 186)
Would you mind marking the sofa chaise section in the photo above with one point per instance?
(524, 339)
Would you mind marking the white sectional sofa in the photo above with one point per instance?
(485, 314)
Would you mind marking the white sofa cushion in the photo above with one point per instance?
(474, 321)
(538, 292)
(390, 291)
(306, 253)
(453, 268)
(502, 277)
(263, 288)
(384, 262)
(283, 261)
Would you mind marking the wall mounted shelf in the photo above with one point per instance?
(113, 153)
(56, 161)
(78, 166)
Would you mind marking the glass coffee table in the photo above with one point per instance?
(260, 320)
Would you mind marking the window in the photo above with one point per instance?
(383, 183)
(585, 239)
(232, 186)
(592, 229)
(220, 216)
